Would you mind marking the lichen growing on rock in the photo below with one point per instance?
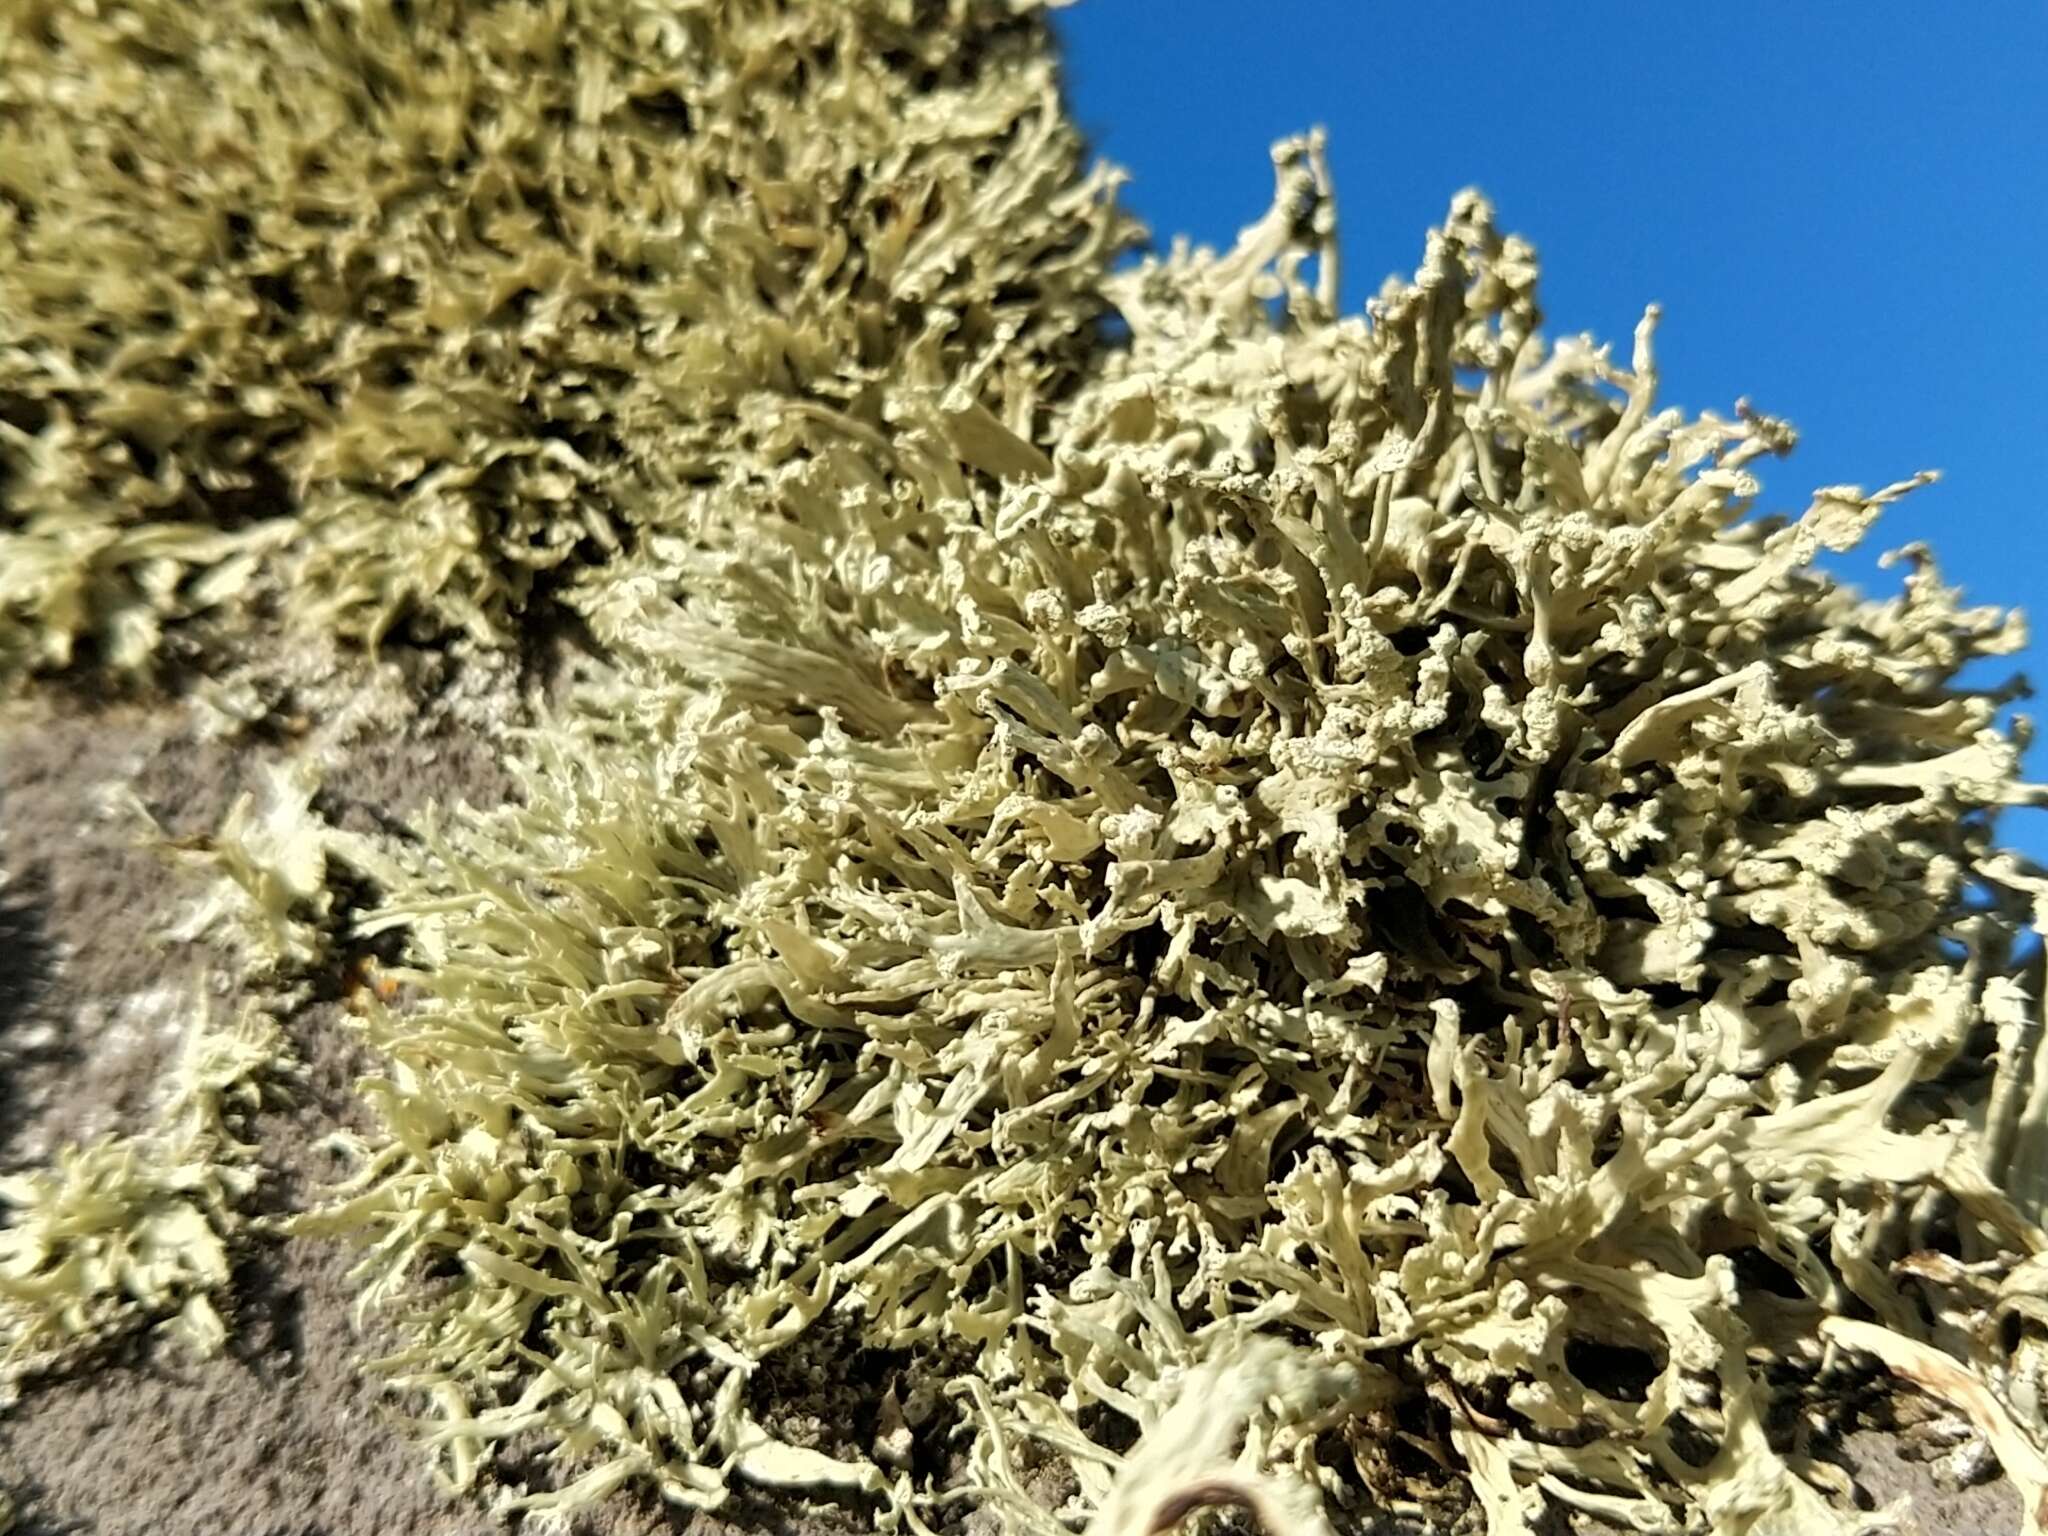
(1348, 830)
(139, 1229)
(1124, 826)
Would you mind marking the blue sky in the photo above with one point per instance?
(1843, 209)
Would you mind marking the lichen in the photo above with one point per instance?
(383, 316)
(1346, 830)
(1123, 826)
(132, 1230)
(260, 879)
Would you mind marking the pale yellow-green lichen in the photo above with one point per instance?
(400, 314)
(137, 1229)
(1088, 859)
(1347, 830)
(261, 876)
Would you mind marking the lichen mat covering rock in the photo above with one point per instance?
(1177, 859)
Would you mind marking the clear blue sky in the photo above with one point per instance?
(1843, 209)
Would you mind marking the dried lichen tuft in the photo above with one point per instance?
(1347, 830)
(261, 875)
(131, 1230)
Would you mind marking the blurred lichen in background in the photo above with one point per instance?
(392, 314)
(1170, 858)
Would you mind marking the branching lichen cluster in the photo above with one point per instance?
(394, 314)
(138, 1229)
(1349, 832)
(1291, 883)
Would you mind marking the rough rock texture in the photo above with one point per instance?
(283, 1432)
